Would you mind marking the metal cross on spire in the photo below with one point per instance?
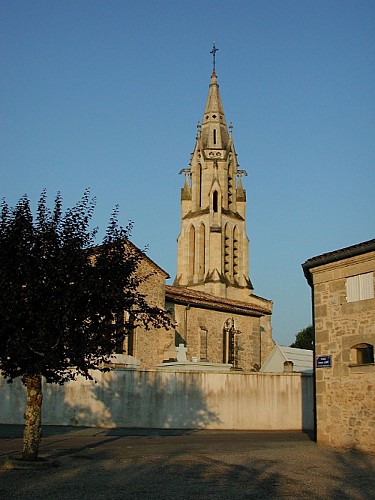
(213, 52)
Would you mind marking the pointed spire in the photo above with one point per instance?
(214, 127)
(213, 103)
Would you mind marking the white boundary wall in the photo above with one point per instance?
(166, 399)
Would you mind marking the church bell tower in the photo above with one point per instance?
(213, 246)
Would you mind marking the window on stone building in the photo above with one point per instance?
(231, 344)
(203, 345)
(227, 251)
(121, 344)
(215, 201)
(360, 287)
(362, 354)
(201, 250)
(235, 252)
(191, 255)
(170, 309)
(199, 185)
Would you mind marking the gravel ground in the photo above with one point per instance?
(152, 464)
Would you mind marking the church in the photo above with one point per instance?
(217, 317)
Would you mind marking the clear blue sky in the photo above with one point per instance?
(107, 95)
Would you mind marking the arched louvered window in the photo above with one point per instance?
(235, 252)
(231, 187)
(227, 252)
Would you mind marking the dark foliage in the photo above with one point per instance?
(304, 338)
(62, 300)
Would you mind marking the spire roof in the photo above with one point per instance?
(214, 127)
(213, 103)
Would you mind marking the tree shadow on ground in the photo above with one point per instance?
(195, 465)
(359, 471)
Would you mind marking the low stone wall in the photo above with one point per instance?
(168, 399)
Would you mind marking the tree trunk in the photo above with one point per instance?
(33, 417)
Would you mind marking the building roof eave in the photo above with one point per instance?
(186, 296)
(335, 256)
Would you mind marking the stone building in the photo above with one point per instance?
(219, 330)
(343, 298)
(141, 347)
(218, 319)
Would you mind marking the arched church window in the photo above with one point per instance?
(199, 185)
(215, 201)
(203, 345)
(231, 343)
(191, 255)
(127, 342)
(214, 133)
(202, 250)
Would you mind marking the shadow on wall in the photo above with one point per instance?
(13, 402)
(179, 400)
(128, 398)
(307, 400)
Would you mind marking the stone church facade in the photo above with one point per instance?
(218, 319)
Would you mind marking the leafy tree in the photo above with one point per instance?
(304, 338)
(62, 300)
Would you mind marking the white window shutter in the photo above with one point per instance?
(360, 287)
(352, 289)
(366, 286)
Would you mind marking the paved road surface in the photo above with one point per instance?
(170, 464)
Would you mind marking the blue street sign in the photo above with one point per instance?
(323, 361)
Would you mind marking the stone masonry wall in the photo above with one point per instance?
(190, 322)
(345, 393)
(156, 344)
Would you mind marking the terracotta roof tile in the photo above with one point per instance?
(201, 299)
